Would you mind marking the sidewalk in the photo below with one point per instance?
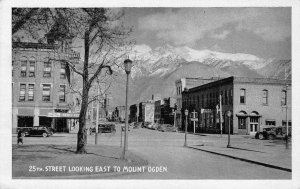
(270, 153)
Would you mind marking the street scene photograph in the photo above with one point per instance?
(151, 93)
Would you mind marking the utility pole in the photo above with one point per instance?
(97, 116)
(286, 112)
(229, 116)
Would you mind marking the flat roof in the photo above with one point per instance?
(234, 79)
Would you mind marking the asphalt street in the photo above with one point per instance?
(165, 151)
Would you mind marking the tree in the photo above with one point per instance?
(102, 34)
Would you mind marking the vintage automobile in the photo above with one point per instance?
(106, 128)
(37, 131)
(272, 132)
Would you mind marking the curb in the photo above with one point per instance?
(243, 159)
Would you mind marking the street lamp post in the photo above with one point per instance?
(186, 113)
(229, 115)
(127, 65)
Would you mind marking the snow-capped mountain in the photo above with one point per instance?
(166, 58)
(156, 70)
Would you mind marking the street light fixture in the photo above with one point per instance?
(186, 113)
(127, 66)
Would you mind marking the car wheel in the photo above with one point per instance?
(45, 134)
(261, 136)
(271, 137)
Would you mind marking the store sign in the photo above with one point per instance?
(206, 111)
(67, 115)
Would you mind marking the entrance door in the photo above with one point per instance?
(253, 125)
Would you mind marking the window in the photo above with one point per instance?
(265, 97)
(284, 123)
(46, 92)
(47, 69)
(63, 71)
(32, 68)
(202, 101)
(30, 92)
(23, 68)
(242, 96)
(283, 98)
(242, 122)
(230, 97)
(62, 93)
(22, 92)
(271, 122)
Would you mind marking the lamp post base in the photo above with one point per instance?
(228, 145)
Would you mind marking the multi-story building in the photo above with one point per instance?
(254, 103)
(187, 83)
(40, 90)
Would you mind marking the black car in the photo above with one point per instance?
(106, 128)
(39, 131)
(272, 133)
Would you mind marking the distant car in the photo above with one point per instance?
(166, 128)
(271, 133)
(39, 131)
(145, 124)
(106, 128)
(137, 125)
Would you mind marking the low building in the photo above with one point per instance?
(254, 103)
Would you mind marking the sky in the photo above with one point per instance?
(263, 32)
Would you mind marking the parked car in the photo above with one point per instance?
(272, 133)
(145, 124)
(39, 131)
(137, 125)
(166, 128)
(106, 128)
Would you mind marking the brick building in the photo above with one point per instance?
(187, 83)
(40, 92)
(254, 103)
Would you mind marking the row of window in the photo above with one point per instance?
(46, 92)
(179, 90)
(242, 122)
(265, 97)
(46, 71)
(211, 98)
(227, 98)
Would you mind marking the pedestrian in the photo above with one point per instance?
(20, 137)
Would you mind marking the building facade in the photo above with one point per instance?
(181, 85)
(254, 103)
(40, 90)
